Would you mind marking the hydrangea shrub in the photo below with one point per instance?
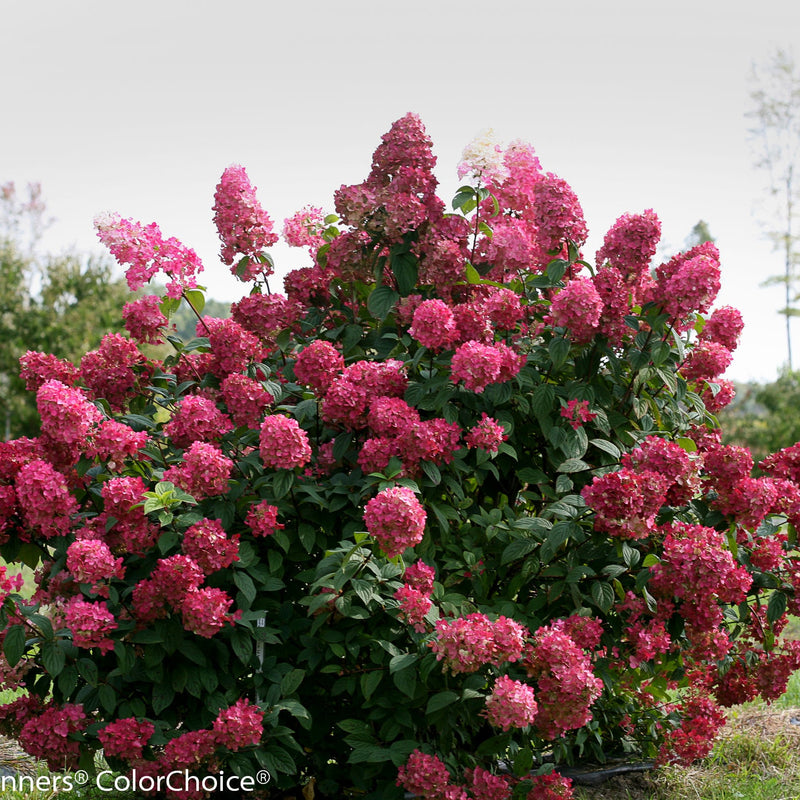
(449, 510)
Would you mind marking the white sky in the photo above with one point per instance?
(138, 108)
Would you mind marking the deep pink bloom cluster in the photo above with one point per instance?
(37, 368)
(66, 415)
(483, 785)
(504, 308)
(264, 315)
(630, 244)
(390, 417)
(578, 307)
(91, 561)
(205, 611)
(245, 399)
(396, 519)
(420, 576)
(190, 749)
(283, 443)
(125, 738)
(243, 225)
(240, 725)
(304, 229)
(207, 543)
(706, 361)
(701, 720)
(577, 412)
(262, 519)
(626, 502)
(205, 471)
(144, 320)
(318, 364)
(698, 570)
(413, 605)
(784, 464)
(424, 775)
(551, 787)
(145, 251)
(512, 704)
(566, 685)
(689, 282)
(487, 435)
(467, 643)
(669, 460)
(47, 735)
(586, 632)
(348, 398)
(434, 326)
(44, 499)
(479, 364)
(113, 370)
(716, 399)
(114, 442)
(724, 327)
(557, 214)
(197, 419)
(90, 623)
(232, 346)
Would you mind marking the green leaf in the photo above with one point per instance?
(606, 447)
(572, 465)
(440, 701)
(163, 695)
(14, 644)
(369, 682)
(291, 681)
(559, 350)
(518, 549)
(108, 698)
(242, 644)
(53, 657)
(603, 595)
(88, 671)
(196, 299)
(776, 607)
(432, 471)
(405, 270)
(282, 483)
(244, 583)
(381, 301)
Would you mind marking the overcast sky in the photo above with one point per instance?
(138, 107)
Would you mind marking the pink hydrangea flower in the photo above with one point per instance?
(66, 414)
(90, 624)
(706, 361)
(434, 326)
(487, 435)
(207, 543)
(44, 498)
(266, 314)
(511, 704)
(47, 735)
(396, 519)
(197, 419)
(420, 576)
(577, 412)
(114, 442)
(174, 577)
(558, 214)
(550, 787)
(423, 775)
(724, 327)
(243, 225)
(467, 643)
(144, 320)
(37, 368)
(303, 229)
(240, 725)
(283, 443)
(390, 417)
(91, 561)
(630, 244)
(205, 611)
(113, 370)
(413, 605)
(205, 471)
(478, 365)
(262, 519)
(232, 347)
(318, 364)
(125, 738)
(485, 786)
(246, 400)
(578, 307)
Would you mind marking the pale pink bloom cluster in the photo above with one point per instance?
(396, 519)
(262, 519)
(44, 499)
(90, 623)
(630, 244)
(318, 364)
(246, 399)
(303, 228)
(483, 158)
(37, 368)
(434, 325)
(48, 735)
(264, 315)
(488, 434)
(113, 370)
(146, 252)
(243, 225)
(91, 561)
(283, 443)
(207, 543)
(125, 738)
(566, 685)
(577, 412)
(478, 365)
(240, 725)
(144, 320)
(512, 704)
(197, 419)
(578, 307)
(467, 643)
(204, 472)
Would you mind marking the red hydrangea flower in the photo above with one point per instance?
(396, 519)
(266, 314)
(487, 435)
(37, 368)
(232, 346)
(724, 327)
(262, 519)
(113, 370)
(207, 543)
(197, 419)
(434, 326)
(420, 576)
(485, 786)
(630, 244)
(144, 320)
(478, 364)
(577, 412)
(91, 561)
(44, 499)
(413, 605)
(205, 471)
(66, 414)
(125, 738)
(240, 725)
(114, 442)
(90, 624)
(318, 364)
(423, 775)
(205, 611)
(47, 735)
(511, 704)
(467, 643)
(578, 307)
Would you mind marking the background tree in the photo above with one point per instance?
(60, 304)
(775, 136)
